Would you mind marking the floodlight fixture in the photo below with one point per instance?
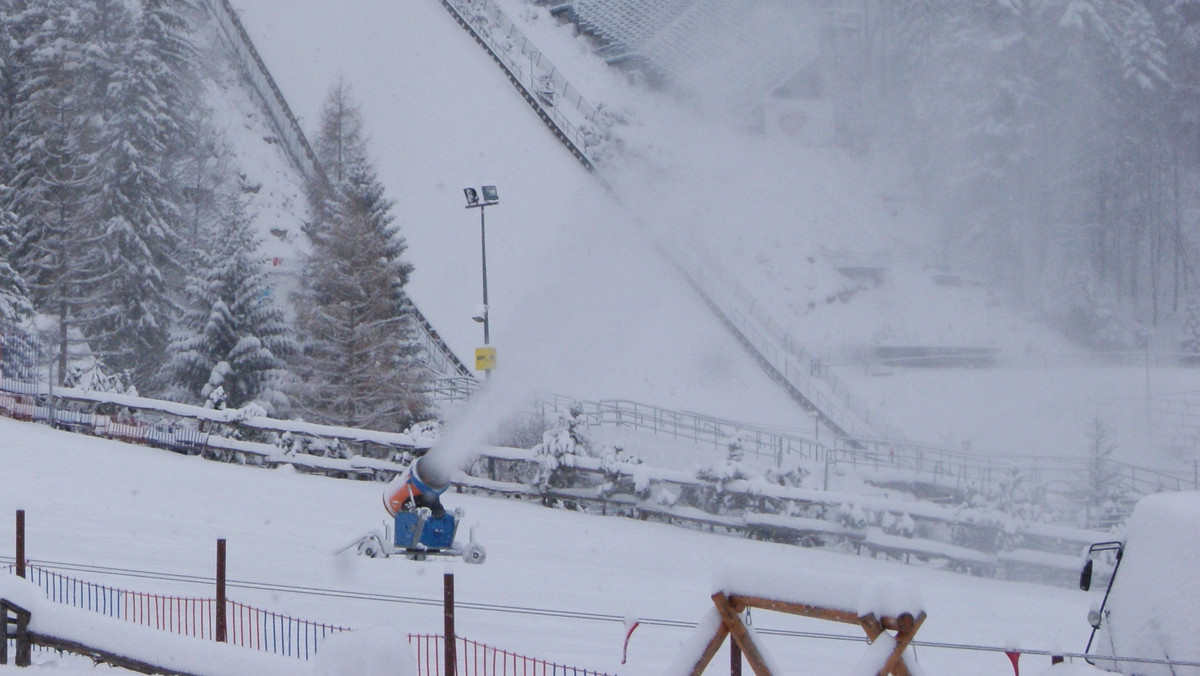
(490, 195)
(472, 196)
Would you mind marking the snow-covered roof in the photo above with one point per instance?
(735, 51)
(1154, 609)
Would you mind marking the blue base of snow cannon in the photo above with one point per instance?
(435, 533)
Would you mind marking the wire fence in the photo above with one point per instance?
(477, 659)
(272, 632)
(248, 627)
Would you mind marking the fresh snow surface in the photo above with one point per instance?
(104, 503)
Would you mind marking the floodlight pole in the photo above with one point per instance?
(487, 311)
(474, 202)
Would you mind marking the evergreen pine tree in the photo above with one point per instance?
(15, 307)
(1190, 345)
(232, 334)
(56, 249)
(361, 364)
(133, 196)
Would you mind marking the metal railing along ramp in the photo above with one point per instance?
(579, 126)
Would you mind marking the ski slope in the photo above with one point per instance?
(98, 502)
(567, 266)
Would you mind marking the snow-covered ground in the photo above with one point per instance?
(104, 503)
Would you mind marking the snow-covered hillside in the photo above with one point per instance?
(582, 307)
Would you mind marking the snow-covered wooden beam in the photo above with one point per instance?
(890, 612)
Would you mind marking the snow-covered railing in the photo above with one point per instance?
(755, 440)
(774, 345)
(879, 461)
(167, 433)
(544, 87)
(981, 541)
(291, 134)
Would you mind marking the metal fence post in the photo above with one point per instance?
(20, 543)
(222, 635)
(448, 608)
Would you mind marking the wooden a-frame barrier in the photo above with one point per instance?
(730, 607)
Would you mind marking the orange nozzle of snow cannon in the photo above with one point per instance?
(408, 491)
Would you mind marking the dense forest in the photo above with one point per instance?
(123, 225)
(1057, 141)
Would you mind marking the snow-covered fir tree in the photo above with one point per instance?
(232, 335)
(361, 364)
(132, 194)
(1190, 344)
(56, 248)
(96, 90)
(15, 306)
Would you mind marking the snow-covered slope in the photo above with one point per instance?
(103, 503)
(581, 306)
(567, 269)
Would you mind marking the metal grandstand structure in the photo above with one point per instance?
(744, 50)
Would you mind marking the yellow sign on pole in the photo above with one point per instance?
(485, 358)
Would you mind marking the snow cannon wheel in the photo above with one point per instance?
(370, 547)
(474, 553)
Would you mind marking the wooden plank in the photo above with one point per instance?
(710, 650)
(741, 635)
(905, 626)
(906, 629)
(791, 608)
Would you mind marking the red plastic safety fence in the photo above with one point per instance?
(271, 632)
(263, 630)
(196, 617)
(478, 659)
(176, 614)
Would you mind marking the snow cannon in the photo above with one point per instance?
(420, 525)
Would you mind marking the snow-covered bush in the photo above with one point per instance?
(92, 377)
(560, 445)
(852, 516)
(1015, 494)
(712, 496)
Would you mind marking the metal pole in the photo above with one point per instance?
(487, 311)
(220, 628)
(20, 543)
(448, 609)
